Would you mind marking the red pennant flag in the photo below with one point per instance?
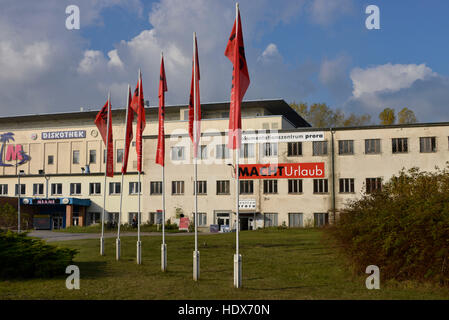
(160, 153)
(101, 121)
(128, 132)
(195, 111)
(138, 105)
(235, 51)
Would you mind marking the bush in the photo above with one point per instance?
(21, 256)
(403, 229)
(9, 217)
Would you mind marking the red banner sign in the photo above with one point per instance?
(184, 223)
(282, 170)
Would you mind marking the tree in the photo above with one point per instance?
(387, 116)
(406, 116)
(321, 116)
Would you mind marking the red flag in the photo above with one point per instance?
(138, 105)
(195, 91)
(128, 132)
(102, 120)
(160, 153)
(235, 51)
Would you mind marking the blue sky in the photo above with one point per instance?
(299, 50)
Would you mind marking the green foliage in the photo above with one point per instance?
(8, 217)
(23, 257)
(406, 116)
(387, 116)
(321, 116)
(403, 229)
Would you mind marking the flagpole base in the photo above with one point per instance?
(196, 265)
(139, 252)
(117, 249)
(164, 257)
(101, 246)
(237, 270)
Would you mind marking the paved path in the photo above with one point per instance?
(65, 236)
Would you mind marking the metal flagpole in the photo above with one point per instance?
(196, 253)
(237, 256)
(105, 171)
(139, 243)
(117, 242)
(164, 245)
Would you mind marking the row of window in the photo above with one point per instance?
(295, 186)
(345, 147)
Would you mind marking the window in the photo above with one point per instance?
(156, 217)
(56, 189)
(156, 187)
(3, 189)
(269, 149)
(202, 219)
(294, 149)
(346, 147)
(346, 185)
(119, 155)
(320, 186)
(221, 151)
(203, 152)
(76, 157)
(92, 156)
(50, 160)
(177, 187)
(399, 145)
(177, 153)
(321, 219)
(75, 188)
(247, 150)
(115, 187)
(372, 146)
(93, 218)
(373, 184)
(38, 189)
(427, 144)
(225, 114)
(223, 187)
(131, 216)
(294, 186)
(94, 188)
(246, 186)
(112, 217)
(295, 220)
(22, 189)
(270, 219)
(319, 148)
(186, 114)
(135, 188)
(202, 187)
(270, 186)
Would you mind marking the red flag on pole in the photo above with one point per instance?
(195, 110)
(235, 51)
(128, 131)
(160, 153)
(138, 105)
(103, 121)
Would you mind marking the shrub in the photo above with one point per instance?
(403, 229)
(21, 256)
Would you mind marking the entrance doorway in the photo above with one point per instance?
(57, 222)
(222, 219)
(244, 223)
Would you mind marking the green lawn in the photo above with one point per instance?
(277, 264)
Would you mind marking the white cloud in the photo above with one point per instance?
(387, 77)
(114, 60)
(92, 61)
(271, 52)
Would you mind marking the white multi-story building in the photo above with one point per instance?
(60, 159)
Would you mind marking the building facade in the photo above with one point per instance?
(60, 160)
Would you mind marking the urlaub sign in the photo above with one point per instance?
(282, 170)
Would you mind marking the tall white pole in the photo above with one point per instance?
(139, 243)
(117, 241)
(237, 256)
(196, 253)
(164, 245)
(105, 171)
(18, 201)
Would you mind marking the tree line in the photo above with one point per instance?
(321, 116)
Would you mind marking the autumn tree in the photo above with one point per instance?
(406, 116)
(387, 116)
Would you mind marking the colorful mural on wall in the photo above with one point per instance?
(15, 156)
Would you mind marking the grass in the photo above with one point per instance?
(277, 264)
(96, 228)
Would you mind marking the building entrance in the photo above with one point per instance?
(58, 222)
